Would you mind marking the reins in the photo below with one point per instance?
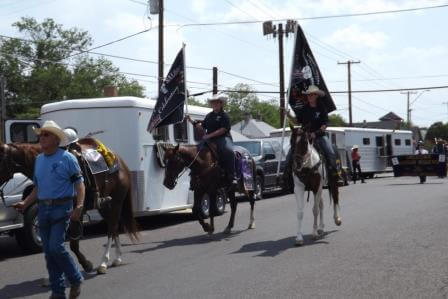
(188, 166)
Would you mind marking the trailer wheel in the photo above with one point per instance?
(220, 202)
(28, 237)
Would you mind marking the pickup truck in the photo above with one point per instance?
(267, 153)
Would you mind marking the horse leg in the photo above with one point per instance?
(233, 206)
(320, 230)
(336, 214)
(85, 263)
(105, 259)
(118, 252)
(299, 192)
(316, 215)
(197, 211)
(251, 196)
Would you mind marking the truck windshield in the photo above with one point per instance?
(252, 146)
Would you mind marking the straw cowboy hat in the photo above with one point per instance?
(355, 146)
(216, 97)
(53, 128)
(313, 89)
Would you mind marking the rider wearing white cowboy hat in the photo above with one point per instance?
(313, 116)
(217, 127)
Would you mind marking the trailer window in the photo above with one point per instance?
(407, 142)
(180, 132)
(24, 133)
(397, 141)
(366, 141)
(379, 140)
(161, 133)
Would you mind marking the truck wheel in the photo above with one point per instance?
(259, 186)
(28, 237)
(220, 202)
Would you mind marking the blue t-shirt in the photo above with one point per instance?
(56, 175)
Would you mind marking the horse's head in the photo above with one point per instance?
(174, 164)
(7, 165)
(299, 144)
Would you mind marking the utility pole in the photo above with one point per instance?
(215, 80)
(349, 63)
(408, 108)
(446, 103)
(278, 30)
(3, 107)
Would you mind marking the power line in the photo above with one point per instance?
(319, 17)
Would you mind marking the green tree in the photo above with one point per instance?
(41, 68)
(336, 120)
(437, 130)
(195, 102)
(244, 101)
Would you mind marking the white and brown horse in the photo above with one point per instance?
(308, 175)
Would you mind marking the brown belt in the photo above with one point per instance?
(55, 201)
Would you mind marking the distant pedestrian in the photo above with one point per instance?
(356, 157)
(421, 151)
(57, 182)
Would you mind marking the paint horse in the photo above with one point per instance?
(118, 213)
(308, 173)
(206, 178)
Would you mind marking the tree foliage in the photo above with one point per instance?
(437, 130)
(336, 120)
(40, 68)
(245, 101)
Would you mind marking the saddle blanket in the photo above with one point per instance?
(243, 168)
(97, 163)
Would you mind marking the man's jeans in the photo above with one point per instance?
(53, 223)
(324, 145)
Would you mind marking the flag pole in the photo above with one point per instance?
(185, 79)
(286, 111)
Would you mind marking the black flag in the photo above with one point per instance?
(169, 108)
(305, 72)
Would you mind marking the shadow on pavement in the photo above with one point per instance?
(274, 248)
(31, 287)
(416, 183)
(194, 240)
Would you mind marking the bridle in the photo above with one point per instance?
(179, 158)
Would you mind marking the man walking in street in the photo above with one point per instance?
(57, 181)
(356, 157)
(421, 151)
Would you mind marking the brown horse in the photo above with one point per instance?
(308, 172)
(117, 214)
(205, 179)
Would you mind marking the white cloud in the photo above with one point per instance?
(354, 36)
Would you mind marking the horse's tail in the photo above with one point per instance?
(128, 221)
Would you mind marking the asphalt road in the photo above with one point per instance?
(393, 243)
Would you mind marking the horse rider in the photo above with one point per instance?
(313, 115)
(420, 150)
(217, 128)
(356, 157)
(57, 181)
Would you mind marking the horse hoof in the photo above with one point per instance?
(338, 221)
(299, 242)
(88, 267)
(251, 226)
(227, 231)
(206, 227)
(320, 232)
(116, 263)
(101, 270)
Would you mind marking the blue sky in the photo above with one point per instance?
(400, 50)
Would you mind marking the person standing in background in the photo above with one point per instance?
(356, 157)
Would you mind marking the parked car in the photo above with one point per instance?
(267, 153)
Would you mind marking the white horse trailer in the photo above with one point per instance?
(120, 123)
(375, 145)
